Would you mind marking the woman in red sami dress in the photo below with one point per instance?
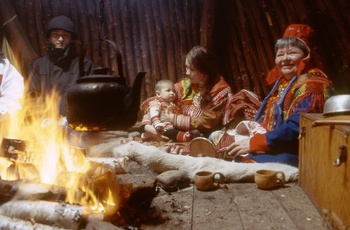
(206, 98)
(298, 87)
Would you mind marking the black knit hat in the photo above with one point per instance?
(63, 23)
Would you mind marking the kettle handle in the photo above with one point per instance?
(119, 56)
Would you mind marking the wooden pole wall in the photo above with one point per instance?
(155, 35)
(16, 36)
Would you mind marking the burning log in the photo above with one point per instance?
(105, 191)
(74, 184)
(33, 191)
(141, 184)
(13, 223)
(136, 197)
(7, 190)
(55, 214)
(101, 165)
(19, 170)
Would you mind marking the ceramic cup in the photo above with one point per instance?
(206, 181)
(269, 179)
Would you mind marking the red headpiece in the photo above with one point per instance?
(305, 34)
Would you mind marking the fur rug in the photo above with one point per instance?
(160, 161)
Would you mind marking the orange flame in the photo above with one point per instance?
(55, 161)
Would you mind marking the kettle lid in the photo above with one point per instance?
(98, 78)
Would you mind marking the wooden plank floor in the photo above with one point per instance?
(241, 206)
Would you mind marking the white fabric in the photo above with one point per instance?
(11, 88)
(243, 130)
(154, 111)
(246, 129)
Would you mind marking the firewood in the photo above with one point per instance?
(103, 190)
(13, 223)
(7, 190)
(99, 168)
(25, 190)
(75, 184)
(55, 214)
(19, 170)
(101, 165)
(37, 191)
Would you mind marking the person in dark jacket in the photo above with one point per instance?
(53, 74)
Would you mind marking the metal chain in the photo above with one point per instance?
(101, 11)
(101, 19)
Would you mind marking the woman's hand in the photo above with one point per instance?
(166, 116)
(236, 148)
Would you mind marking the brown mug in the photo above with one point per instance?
(206, 181)
(269, 179)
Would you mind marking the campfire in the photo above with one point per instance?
(46, 179)
(50, 179)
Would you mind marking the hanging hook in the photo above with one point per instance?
(111, 43)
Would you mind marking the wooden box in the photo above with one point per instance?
(324, 168)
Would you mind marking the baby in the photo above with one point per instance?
(164, 100)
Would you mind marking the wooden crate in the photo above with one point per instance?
(327, 186)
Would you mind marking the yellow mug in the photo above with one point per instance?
(206, 181)
(269, 179)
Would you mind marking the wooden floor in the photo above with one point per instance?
(241, 206)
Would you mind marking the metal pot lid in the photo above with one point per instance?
(338, 104)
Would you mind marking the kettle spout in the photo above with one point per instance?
(131, 102)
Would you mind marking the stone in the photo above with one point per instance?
(101, 225)
(173, 180)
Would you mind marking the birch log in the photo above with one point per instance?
(13, 223)
(37, 191)
(55, 214)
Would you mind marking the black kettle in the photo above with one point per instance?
(102, 102)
